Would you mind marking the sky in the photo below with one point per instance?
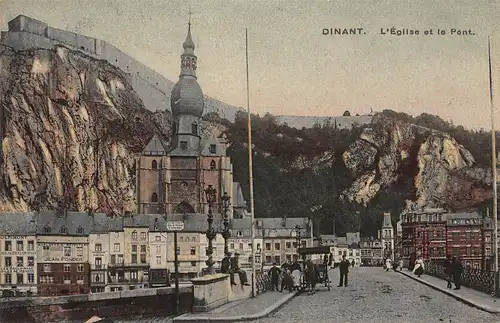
(293, 68)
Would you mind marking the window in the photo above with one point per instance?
(240, 246)
(117, 247)
(120, 259)
(8, 278)
(79, 268)
(268, 246)
(143, 258)
(184, 145)
(455, 252)
(67, 279)
(79, 279)
(79, 251)
(20, 261)
(47, 229)
(8, 262)
(20, 246)
(31, 261)
(154, 197)
(231, 245)
(288, 245)
(288, 257)
(143, 248)
(277, 246)
(98, 247)
(8, 246)
(79, 230)
(67, 268)
(47, 268)
(277, 259)
(31, 278)
(154, 164)
(67, 251)
(134, 248)
(193, 251)
(268, 259)
(113, 259)
(143, 236)
(157, 238)
(31, 245)
(158, 260)
(98, 263)
(455, 236)
(134, 259)
(193, 263)
(63, 230)
(174, 128)
(158, 250)
(194, 128)
(212, 165)
(20, 279)
(134, 235)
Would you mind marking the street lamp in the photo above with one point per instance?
(297, 235)
(210, 196)
(225, 234)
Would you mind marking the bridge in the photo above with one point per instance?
(373, 295)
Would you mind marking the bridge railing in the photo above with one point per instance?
(478, 279)
(262, 282)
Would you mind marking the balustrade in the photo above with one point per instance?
(478, 279)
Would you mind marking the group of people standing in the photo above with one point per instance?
(453, 270)
(290, 275)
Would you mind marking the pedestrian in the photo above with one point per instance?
(353, 263)
(344, 271)
(457, 272)
(225, 267)
(274, 273)
(388, 264)
(296, 274)
(419, 267)
(448, 271)
(235, 269)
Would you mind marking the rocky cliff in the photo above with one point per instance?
(72, 127)
(444, 172)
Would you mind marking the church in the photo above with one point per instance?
(173, 180)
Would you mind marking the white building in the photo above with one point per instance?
(18, 266)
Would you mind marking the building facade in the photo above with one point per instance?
(18, 265)
(424, 234)
(62, 253)
(387, 237)
(371, 252)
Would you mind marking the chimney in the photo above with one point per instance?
(283, 221)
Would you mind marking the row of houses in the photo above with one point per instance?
(49, 254)
(436, 234)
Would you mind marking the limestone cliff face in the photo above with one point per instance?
(444, 172)
(72, 128)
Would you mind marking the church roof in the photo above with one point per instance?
(238, 199)
(155, 147)
(187, 97)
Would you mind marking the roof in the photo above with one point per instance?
(238, 199)
(464, 215)
(73, 223)
(155, 147)
(18, 223)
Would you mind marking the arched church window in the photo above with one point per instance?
(154, 164)
(194, 128)
(154, 197)
(212, 165)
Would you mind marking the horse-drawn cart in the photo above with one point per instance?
(315, 273)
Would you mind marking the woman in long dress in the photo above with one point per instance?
(296, 275)
(419, 267)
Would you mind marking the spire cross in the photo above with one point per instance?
(189, 13)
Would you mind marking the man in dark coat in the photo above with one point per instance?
(274, 273)
(225, 267)
(448, 271)
(344, 271)
(457, 272)
(235, 268)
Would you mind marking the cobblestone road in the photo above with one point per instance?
(373, 296)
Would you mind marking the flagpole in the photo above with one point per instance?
(250, 168)
(494, 170)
